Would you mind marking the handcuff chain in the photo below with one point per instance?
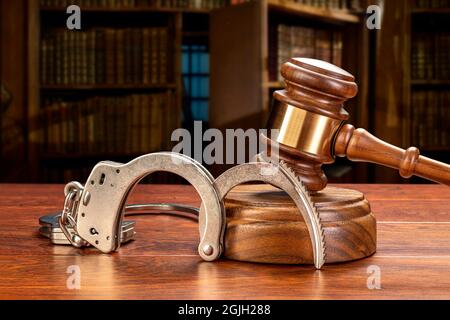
(68, 218)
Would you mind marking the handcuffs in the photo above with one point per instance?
(93, 213)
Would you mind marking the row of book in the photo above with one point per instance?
(430, 56)
(131, 124)
(294, 41)
(354, 5)
(193, 4)
(426, 4)
(431, 118)
(105, 56)
(189, 4)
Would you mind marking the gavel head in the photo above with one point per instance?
(308, 114)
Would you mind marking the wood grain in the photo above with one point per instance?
(264, 226)
(360, 145)
(413, 254)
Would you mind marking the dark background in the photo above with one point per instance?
(55, 130)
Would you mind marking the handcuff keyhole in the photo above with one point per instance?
(93, 231)
(102, 179)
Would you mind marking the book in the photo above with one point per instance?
(104, 124)
(430, 119)
(103, 56)
(157, 4)
(429, 4)
(430, 57)
(297, 41)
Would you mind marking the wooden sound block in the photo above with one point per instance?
(263, 225)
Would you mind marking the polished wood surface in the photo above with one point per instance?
(413, 254)
(264, 225)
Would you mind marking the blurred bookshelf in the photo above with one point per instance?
(430, 79)
(137, 5)
(111, 91)
(242, 74)
(411, 100)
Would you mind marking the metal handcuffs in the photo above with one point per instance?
(93, 213)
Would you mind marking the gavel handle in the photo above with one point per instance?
(360, 145)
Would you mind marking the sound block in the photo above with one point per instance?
(264, 225)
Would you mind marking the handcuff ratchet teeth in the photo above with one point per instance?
(279, 175)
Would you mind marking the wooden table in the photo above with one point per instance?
(413, 254)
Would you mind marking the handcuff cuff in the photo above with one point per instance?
(93, 213)
(50, 227)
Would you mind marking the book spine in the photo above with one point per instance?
(337, 48)
(154, 54)
(146, 56)
(44, 61)
(84, 58)
(128, 55)
(58, 59)
(120, 58)
(136, 123)
(137, 56)
(145, 124)
(163, 55)
(111, 57)
(99, 57)
(92, 66)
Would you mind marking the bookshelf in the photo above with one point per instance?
(85, 106)
(333, 15)
(246, 57)
(428, 83)
(430, 78)
(91, 102)
(412, 86)
(440, 11)
(139, 9)
(99, 87)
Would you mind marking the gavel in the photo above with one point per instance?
(309, 116)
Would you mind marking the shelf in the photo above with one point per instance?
(129, 10)
(323, 14)
(427, 83)
(106, 87)
(49, 157)
(431, 11)
(435, 149)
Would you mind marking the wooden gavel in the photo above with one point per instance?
(309, 116)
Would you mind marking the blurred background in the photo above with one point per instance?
(138, 69)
